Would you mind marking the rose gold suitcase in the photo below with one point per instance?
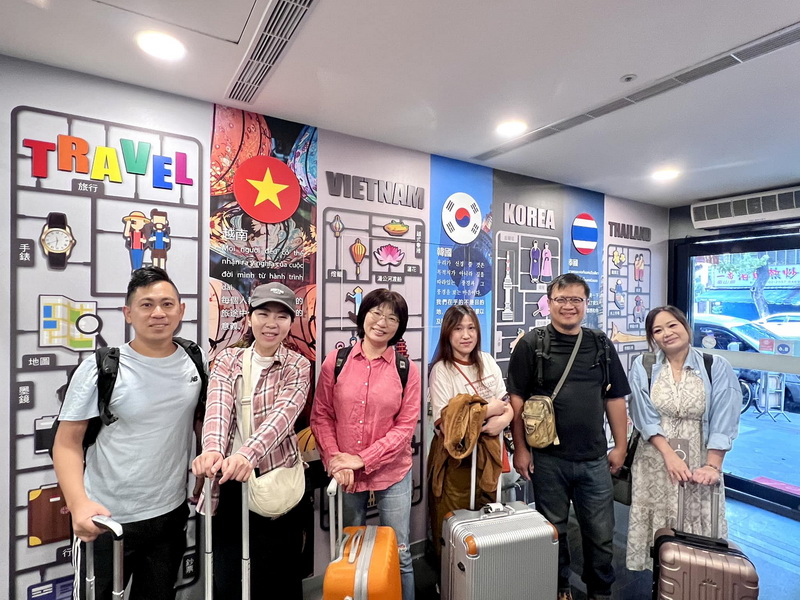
(694, 567)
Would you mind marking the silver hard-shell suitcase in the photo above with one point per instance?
(500, 552)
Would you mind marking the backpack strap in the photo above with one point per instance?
(648, 360)
(196, 354)
(402, 368)
(541, 351)
(603, 357)
(401, 362)
(341, 358)
(107, 368)
(708, 360)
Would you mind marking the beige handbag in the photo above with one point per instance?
(277, 492)
(538, 413)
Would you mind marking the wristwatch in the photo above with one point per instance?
(57, 240)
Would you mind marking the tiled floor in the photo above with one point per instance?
(772, 542)
(766, 448)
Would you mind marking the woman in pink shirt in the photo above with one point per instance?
(363, 421)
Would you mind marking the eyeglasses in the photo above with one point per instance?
(573, 300)
(390, 319)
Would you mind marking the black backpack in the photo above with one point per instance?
(649, 359)
(107, 359)
(400, 361)
(542, 351)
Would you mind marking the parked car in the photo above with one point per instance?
(727, 332)
(784, 325)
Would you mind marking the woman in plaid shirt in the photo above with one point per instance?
(280, 379)
(363, 422)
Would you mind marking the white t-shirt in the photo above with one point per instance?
(257, 366)
(138, 467)
(447, 382)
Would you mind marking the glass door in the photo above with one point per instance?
(742, 297)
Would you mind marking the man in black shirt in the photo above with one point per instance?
(577, 469)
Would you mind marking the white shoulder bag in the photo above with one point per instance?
(277, 492)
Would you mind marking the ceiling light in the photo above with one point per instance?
(665, 174)
(161, 45)
(511, 128)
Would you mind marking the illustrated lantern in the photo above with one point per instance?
(358, 251)
(337, 226)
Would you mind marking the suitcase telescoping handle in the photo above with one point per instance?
(715, 491)
(208, 546)
(110, 525)
(473, 476)
(335, 516)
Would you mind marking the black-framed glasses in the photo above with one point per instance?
(573, 300)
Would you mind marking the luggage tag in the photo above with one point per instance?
(681, 448)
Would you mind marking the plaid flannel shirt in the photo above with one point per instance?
(277, 402)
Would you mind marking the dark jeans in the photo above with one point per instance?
(276, 546)
(588, 485)
(153, 550)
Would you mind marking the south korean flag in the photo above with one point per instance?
(461, 218)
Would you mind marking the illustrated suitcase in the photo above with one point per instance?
(694, 567)
(365, 563)
(500, 552)
(118, 590)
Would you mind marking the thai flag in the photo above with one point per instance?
(584, 233)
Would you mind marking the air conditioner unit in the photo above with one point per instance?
(763, 207)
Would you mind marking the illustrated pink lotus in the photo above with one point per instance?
(389, 254)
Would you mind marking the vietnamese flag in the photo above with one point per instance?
(266, 189)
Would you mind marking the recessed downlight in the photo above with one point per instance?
(665, 174)
(511, 128)
(161, 45)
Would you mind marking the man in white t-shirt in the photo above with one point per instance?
(136, 471)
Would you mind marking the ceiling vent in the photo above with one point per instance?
(282, 22)
(764, 45)
(774, 205)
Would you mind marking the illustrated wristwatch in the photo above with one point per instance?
(57, 240)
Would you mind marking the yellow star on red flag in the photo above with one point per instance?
(267, 189)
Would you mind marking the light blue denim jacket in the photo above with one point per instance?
(723, 400)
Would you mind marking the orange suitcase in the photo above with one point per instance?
(365, 564)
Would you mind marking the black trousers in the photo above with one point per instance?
(153, 550)
(276, 547)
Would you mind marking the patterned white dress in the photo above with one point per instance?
(655, 499)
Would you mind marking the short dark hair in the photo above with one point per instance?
(452, 318)
(675, 312)
(147, 276)
(383, 296)
(566, 280)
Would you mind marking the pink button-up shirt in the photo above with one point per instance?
(366, 412)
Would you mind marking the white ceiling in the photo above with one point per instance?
(438, 75)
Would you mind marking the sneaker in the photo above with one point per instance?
(565, 594)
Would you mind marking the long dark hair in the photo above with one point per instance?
(383, 296)
(651, 317)
(450, 321)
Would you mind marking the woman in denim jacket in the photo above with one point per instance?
(679, 406)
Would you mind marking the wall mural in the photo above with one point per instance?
(461, 244)
(91, 200)
(263, 228)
